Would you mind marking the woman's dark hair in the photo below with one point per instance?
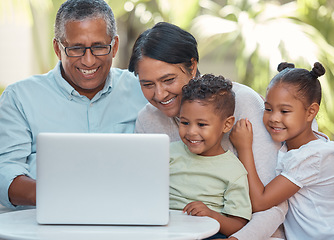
(165, 42)
(306, 82)
(211, 89)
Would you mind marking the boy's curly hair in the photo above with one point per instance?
(211, 89)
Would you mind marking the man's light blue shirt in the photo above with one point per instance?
(47, 103)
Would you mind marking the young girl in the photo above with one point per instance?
(305, 167)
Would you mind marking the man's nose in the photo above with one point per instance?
(88, 59)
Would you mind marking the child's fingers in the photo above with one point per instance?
(237, 125)
(192, 208)
(249, 125)
(244, 123)
(188, 208)
(195, 212)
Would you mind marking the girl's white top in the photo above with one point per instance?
(311, 209)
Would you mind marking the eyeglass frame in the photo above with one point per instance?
(85, 48)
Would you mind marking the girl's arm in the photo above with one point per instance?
(275, 192)
(228, 224)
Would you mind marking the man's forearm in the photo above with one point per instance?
(22, 191)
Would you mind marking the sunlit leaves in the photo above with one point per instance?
(261, 34)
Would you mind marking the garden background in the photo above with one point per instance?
(243, 40)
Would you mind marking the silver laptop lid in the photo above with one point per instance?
(87, 178)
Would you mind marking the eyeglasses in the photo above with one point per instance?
(98, 50)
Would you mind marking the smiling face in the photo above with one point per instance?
(201, 129)
(162, 83)
(86, 74)
(286, 118)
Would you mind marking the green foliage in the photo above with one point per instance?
(135, 16)
(149, 12)
(261, 34)
(1, 90)
(318, 14)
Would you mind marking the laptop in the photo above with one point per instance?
(96, 178)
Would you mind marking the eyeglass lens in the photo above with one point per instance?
(80, 51)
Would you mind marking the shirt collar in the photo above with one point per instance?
(106, 89)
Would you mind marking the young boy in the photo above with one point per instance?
(206, 180)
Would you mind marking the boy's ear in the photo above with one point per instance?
(228, 124)
(312, 111)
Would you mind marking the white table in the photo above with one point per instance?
(22, 224)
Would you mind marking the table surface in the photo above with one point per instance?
(22, 224)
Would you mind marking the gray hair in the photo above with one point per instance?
(79, 10)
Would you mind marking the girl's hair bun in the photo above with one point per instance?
(284, 65)
(317, 70)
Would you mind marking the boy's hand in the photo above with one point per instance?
(197, 209)
(242, 135)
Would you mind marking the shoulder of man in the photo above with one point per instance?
(124, 74)
(29, 83)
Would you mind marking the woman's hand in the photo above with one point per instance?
(197, 209)
(242, 135)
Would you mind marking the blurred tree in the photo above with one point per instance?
(319, 14)
(132, 16)
(135, 16)
(261, 34)
(40, 15)
(258, 34)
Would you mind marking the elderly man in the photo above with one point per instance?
(81, 94)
